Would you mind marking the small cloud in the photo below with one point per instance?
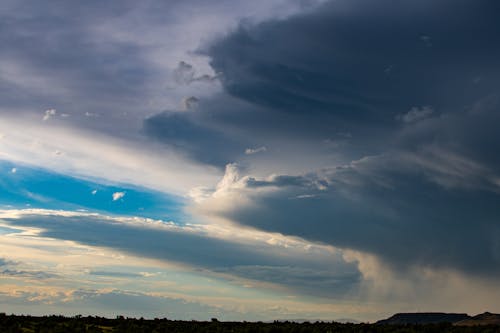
(427, 40)
(206, 78)
(91, 114)
(388, 70)
(189, 102)
(49, 113)
(94, 192)
(305, 196)
(58, 152)
(13, 170)
(185, 74)
(251, 151)
(416, 114)
(118, 195)
(149, 274)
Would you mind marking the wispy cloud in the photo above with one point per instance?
(251, 151)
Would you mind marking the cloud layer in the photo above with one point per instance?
(416, 177)
(339, 149)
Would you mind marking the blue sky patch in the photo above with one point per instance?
(24, 186)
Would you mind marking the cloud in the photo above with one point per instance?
(91, 114)
(12, 269)
(49, 113)
(410, 192)
(416, 178)
(296, 101)
(34, 145)
(416, 114)
(111, 303)
(427, 40)
(189, 102)
(186, 74)
(4, 262)
(251, 151)
(211, 248)
(385, 205)
(116, 274)
(188, 135)
(118, 195)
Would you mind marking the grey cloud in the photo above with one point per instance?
(203, 252)
(13, 269)
(278, 181)
(189, 102)
(116, 274)
(4, 262)
(185, 73)
(333, 65)
(417, 187)
(317, 278)
(416, 114)
(468, 134)
(113, 303)
(307, 76)
(55, 59)
(189, 135)
(139, 304)
(28, 274)
(388, 206)
(416, 184)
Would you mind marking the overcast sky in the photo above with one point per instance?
(249, 160)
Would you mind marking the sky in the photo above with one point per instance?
(249, 160)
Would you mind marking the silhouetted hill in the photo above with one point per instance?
(424, 318)
(486, 318)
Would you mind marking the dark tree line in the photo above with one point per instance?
(79, 324)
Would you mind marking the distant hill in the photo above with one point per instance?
(486, 318)
(424, 318)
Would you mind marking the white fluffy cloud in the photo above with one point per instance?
(118, 195)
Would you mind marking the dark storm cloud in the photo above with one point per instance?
(386, 206)
(333, 62)
(181, 131)
(359, 67)
(415, 84)
(433, 201)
